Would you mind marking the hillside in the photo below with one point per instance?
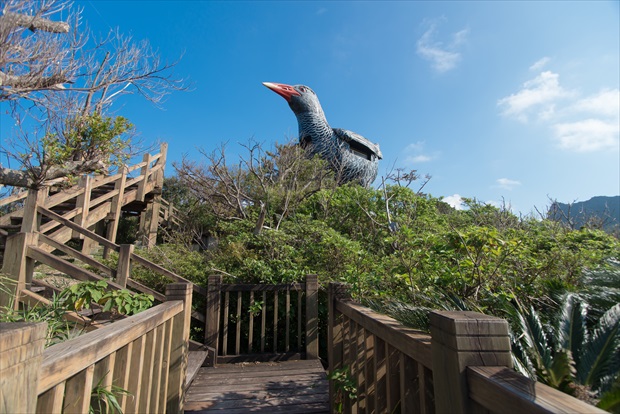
(600, 212)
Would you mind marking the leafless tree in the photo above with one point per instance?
(55, 75)
(273, 183)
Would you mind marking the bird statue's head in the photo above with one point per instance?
(300, 98)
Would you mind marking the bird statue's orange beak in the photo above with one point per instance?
(285, 91)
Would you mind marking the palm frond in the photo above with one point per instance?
(572, 331)
(600, 353)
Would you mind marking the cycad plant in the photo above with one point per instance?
(567, 352)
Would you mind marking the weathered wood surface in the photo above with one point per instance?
(503, 391)
(290, 387)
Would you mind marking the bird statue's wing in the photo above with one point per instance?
(349, 136)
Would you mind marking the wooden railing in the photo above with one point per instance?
(24, 249)
(91, 201)
(464, 366)
(145, 355)
(265, 318)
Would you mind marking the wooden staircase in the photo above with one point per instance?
(96, 203)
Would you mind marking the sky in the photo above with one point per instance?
(500, 101)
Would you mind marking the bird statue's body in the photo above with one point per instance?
(353, 157)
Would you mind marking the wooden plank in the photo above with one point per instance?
(488, 385)
(263, 322)
(393, 378)
(66, 267)
(21, 346)
(156, 372)
(77, 391)
(413, 343)
(275, 321)
(116, 205)
(51, 400)
(122, 362)
(67, 223)
(251, 323)
(165, 368)
(144, 173)
(83, 203)
(238, 326)
(163, 271)
(146, 385)
(135, 379)
(225, 325)
(380, 375)
(297, 387)
(61, 361)
(76, 254)
(299, 320)
(123, 269)
(287, 320)
(369, 372)
(312, 316)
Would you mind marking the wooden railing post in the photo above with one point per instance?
(115, 209)
(459, 340)
(83, 202)
(123, 271)
(144, 172)
(18, 266)
(212, 316)
(21, 348)
(30, 219)
(179, 347)
(335, 349)
(312, 317)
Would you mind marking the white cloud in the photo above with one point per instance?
(541, 92)
(604, 103)
(442, 57)
(415, 154)
(587, 135)
(320, 11)
(420, 158)
(578, 124)
(455, 200)
(539, 64)
(507, 184)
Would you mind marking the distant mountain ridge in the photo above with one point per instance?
(599, 212)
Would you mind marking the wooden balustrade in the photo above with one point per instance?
(145, 355)
(271, 322)
(464, 366)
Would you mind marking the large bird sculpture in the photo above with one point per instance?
(353, 157)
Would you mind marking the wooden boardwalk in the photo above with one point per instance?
(269, 387)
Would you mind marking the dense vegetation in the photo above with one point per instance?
(277, 216)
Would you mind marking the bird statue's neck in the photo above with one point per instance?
(314, 124)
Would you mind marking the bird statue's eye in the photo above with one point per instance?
(302, 89)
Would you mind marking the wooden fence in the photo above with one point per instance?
(275, 313)
(464, 366)
(145, 354)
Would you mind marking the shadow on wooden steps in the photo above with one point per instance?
(272, 387)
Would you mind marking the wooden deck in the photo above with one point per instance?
(269, 387)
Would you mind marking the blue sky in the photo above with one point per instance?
(512, 100)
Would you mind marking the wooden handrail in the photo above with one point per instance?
(90, 234)
(503, 391)
(15, 197)
(165, 272)
(64, 360)
(413, 343)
